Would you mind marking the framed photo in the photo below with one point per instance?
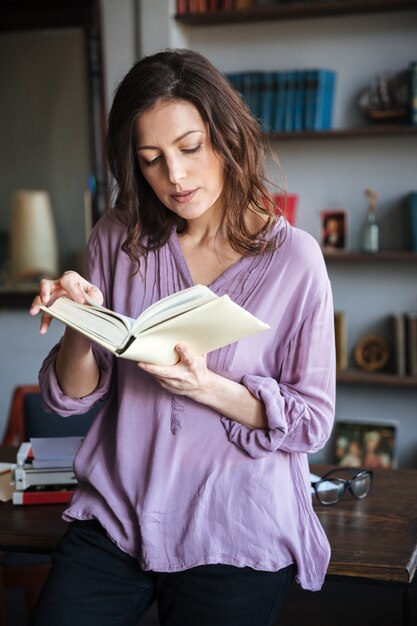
(334, 229)
(365, 444)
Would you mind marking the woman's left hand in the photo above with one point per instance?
(188, 377)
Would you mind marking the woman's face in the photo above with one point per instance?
(176, 158)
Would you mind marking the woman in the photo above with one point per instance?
(193, 480)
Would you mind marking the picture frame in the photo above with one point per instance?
(370, 445)
(333, 230)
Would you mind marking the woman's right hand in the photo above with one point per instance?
(71, 285)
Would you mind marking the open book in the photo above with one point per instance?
(195, 316)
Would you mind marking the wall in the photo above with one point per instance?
(44, 125)
(22, 348)
(334, 174)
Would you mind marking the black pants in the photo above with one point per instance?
(93, 583)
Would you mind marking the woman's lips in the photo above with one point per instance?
(184, 196)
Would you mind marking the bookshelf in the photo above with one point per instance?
(330, 169)
(298, 10)
(383, 130)
(358, 377)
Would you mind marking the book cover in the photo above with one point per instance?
(195, 316)
(320, 84)
(412, 343)
(290, 86)
(299, 101)
(329, 81)
(52, 496)
(266, 103)
(310, 89)
(412, 219)
(255, 93)
(182, 7)
(278, 101)
(26, 477)
(340, 338)
(413, 93)
(399, 336)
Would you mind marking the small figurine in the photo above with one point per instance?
(371, 231)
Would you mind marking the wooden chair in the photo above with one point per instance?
(26, 419)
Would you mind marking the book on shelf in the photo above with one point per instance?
(195, 316)
(399, 333)
(266, 105)
(289, 89)
(411, 320)
(413, 92)
(412, 219)
(319, 88)
(288, 100)
(279, 100)
(182, 7)
(405, 343)
(341, 340)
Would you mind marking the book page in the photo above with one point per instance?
(171, 306)
(204, 328)
(92, 319)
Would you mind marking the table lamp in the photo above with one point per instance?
(33, 242)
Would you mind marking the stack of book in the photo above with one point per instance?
(288, 101)
(44, 472)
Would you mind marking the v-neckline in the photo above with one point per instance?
(183, 265)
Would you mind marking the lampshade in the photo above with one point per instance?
(33, 243)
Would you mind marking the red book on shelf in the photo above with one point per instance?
(182, 7)
(61, 496)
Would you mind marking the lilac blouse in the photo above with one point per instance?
(176, 484)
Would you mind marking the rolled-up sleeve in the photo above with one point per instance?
(299, 404)
(54, 399)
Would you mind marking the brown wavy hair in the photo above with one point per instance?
(234, 134)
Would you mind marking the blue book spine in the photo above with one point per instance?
(329, 80)
(298, 122)
(323, 100)
(289, 101)
(246, 89)
(256, 79)
(266, 104)
(310, 88)
(278, 101)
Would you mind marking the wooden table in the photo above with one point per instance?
(373, 540)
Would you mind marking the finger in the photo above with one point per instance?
(46, 287)
(34, 307)
(184, 353)
(93, 295)
(45, 323)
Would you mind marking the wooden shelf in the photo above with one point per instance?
(296, 10)
(389, 256)
(359, 377)
(16, 298)
(377, 130)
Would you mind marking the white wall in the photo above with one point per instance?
(22, 348)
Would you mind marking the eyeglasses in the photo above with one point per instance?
(330, 489)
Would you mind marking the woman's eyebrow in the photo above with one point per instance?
(189, 132)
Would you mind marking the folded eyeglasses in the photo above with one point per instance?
(329, 489)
